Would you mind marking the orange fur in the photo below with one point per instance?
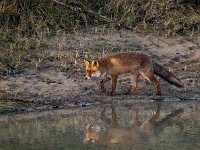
(117, 133)
(135, 63)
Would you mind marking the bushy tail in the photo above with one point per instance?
(167, 75)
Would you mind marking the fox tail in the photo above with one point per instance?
(167, 75)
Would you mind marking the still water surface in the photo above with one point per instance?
(149, 126)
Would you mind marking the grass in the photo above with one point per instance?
(28, 26)
(9, 105)
(34, 17)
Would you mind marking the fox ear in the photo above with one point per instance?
(89, 127)
(86, 62)
(95, 63)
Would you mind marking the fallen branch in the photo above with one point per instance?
(84, 9)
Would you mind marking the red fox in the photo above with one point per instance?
(134, 63)
(123, 135)
(136, 134)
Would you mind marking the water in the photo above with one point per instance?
(133, 126)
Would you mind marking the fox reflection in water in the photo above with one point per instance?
(133, 136)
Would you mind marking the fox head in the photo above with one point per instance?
(92, 69)
(91, 134)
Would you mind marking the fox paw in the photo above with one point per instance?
(159, 94)
(103, 90)
(111, 94)
(128, 92)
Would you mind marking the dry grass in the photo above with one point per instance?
(28, 17)
(27, 26)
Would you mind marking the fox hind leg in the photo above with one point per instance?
(156, 83)
(134, 84)
(151, 77)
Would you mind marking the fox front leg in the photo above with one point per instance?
(114, 84)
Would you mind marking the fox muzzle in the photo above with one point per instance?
(87, 78)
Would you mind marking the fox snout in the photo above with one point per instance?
(87, 75)
(96, 74)
(87, 78)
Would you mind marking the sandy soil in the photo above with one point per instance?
(52, 88)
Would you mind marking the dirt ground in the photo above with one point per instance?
(48, 87)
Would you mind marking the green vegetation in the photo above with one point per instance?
(8, 105)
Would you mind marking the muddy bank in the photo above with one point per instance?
(48, 87)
